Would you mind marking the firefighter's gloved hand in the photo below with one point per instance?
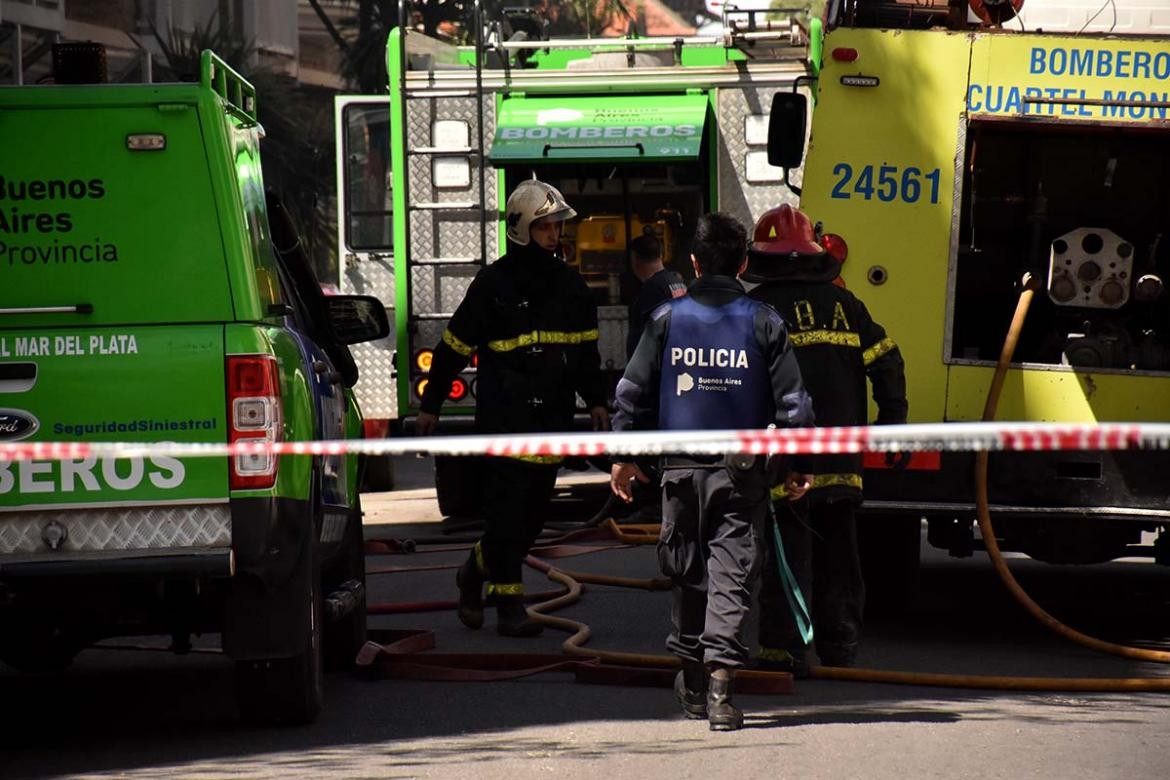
(425, 424)
(796, 485)
(600, 417)
(619, 480)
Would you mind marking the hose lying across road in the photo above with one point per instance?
(580, 633)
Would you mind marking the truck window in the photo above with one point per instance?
(368, 214)
(251, 184)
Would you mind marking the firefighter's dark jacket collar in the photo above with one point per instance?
(764, 267)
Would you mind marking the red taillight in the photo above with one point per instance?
(458, 391)
(844, 55)
(835, 246)
(254, 414)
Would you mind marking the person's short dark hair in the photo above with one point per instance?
(646, 249)
(720, 244)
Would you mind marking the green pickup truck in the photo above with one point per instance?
(150, 291)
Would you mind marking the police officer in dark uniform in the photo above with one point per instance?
(532, 321)
(713, 359)
(838, 345)
(658, 285)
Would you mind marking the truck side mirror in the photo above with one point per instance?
(786, 129)
(357, 318)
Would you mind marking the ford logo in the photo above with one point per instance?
(16, 424)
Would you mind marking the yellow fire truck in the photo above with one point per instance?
(954, 156)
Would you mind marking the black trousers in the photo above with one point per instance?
(516, 502)
(710, 547)
(820, 543)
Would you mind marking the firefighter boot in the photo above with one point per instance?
(470, 582)
(512, 618)
(690, 689)
(721, 713)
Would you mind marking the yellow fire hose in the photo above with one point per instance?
(989, 541)
(647, 534)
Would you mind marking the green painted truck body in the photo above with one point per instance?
(139, 275)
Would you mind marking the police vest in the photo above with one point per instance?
(714, 372)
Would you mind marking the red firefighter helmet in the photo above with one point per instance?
(785, 231)
(786, 246)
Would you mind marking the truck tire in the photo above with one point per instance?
(286, 691)
(345, 637)
(34, 648)
(378, 474)
(891, 550)
(459, 485)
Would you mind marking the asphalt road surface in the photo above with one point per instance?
(133, 713)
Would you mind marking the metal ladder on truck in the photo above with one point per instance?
(445, 92)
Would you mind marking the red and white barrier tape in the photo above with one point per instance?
(950, 437)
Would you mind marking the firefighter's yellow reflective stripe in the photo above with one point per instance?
(807, 338)
(823, 481)
(452, 341)
(479, 564)
(549, 460)
(505, 588)
(543, 337)
(878, 349)
(774, 654)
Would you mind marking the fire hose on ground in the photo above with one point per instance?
(580, 633)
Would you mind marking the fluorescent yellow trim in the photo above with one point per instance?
(807, 338)
(878, 349)
(480, 566)
(773, 654)
(823, 481)
(452, 341)
(543, 337)
(505, 589)
(548, 460)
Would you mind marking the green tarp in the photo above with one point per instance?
(599, 129)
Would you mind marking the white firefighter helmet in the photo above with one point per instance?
(530, 201)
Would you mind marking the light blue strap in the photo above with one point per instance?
(792, 588)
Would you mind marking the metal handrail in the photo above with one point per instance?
(653, 42)
(479, 55)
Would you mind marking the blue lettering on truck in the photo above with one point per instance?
(1143, 102)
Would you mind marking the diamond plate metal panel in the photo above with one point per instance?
(369, 274)
(743, 200)
(428, 333)
(425, 226)
(438, 234)
(439, 289)
(376, 389)
(123, 528)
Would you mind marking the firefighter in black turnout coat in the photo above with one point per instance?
(838, 345)
(531, 320)
(713, 359)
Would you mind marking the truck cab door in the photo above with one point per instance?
(365, 245)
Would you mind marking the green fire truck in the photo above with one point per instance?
(640, 134)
